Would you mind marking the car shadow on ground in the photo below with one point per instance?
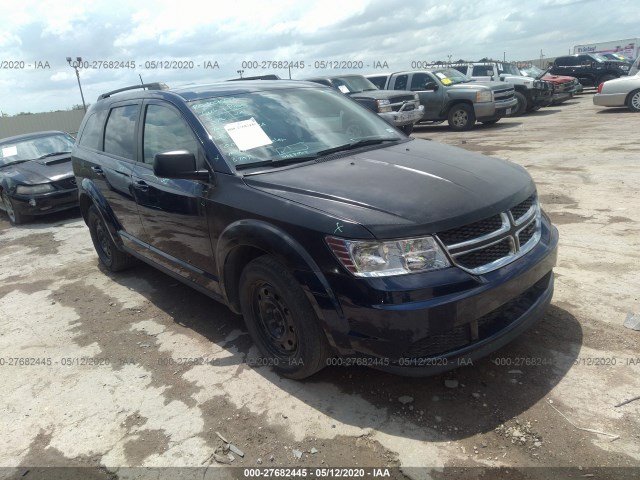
(480, 397)
(611, 110)
(43, 221)
(479, 126)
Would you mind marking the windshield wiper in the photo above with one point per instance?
(358, 143)
(14, 162)
(340, 148)
(52, 154)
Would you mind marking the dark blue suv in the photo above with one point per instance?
(339, 239)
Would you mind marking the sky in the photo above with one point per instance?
(203, 45)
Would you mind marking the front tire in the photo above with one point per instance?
(109, 254)
(461, 117)
(521, 107)
(280, 320)
(15, 217)
(633, 102)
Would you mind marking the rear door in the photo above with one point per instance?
(173, 212)
(108, 157)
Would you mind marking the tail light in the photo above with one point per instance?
(600, 87)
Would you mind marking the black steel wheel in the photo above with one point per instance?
(109, 254)
(280, 320)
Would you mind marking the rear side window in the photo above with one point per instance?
(165, 130)
(481, 70)
(567, 61)
(401, 82)
(92, 133)
(120, 132)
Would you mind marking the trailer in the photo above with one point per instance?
(629, 47)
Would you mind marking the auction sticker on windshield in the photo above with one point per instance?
(247, 134)
(10, 151)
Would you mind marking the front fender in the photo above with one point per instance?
(268, 238)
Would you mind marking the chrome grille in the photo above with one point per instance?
(495, 241)
(402, 98)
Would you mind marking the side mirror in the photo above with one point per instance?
(179, 164)
(431, 86)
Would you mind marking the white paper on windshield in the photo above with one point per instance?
(247, 134)
(9, 151)
(343, 88)
(440, 75)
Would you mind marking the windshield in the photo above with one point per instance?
(33, 148)
(599, 58)
(508, 69)
(533, 72)
(451, 76)
(354, 84)
(288, 124)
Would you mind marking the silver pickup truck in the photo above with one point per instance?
(447, 94)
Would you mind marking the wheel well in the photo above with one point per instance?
(85, 204)
(457, 102)
(626, 101)
(235, 262)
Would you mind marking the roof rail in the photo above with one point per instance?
(148, 86)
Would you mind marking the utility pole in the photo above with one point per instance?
(240, 72)
(75, 64)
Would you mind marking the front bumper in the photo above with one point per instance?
(45, 203)
(541, 98)
(402, 118)
(494, 110)
(435, 322)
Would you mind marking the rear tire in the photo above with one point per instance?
(633, 101)
(280, 320)
(407, 129)
(461, 117)
(110, 256)
(15, 217)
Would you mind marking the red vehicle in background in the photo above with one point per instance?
(565, 87)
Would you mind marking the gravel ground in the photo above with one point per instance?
(113, 384)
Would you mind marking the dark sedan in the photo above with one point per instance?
(36, 176)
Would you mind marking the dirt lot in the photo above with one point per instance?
(111, 388)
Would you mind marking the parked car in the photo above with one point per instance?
(401, 109)
(447, 94)
(531, 94)
(377, 249)
(635, 67)
(591, 69)
(36, 177)
(619, 92)
(564, 87)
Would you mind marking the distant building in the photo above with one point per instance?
(629, 47)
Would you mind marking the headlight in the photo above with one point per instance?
(624, 68)
(33, 189)
(416, 97)
(366, 258)
(383, 106)
(484, 96)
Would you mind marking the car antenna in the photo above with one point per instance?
(141, 82)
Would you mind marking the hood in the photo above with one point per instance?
(549, 77)
(43, 170)
(482, 85)
(409, 189)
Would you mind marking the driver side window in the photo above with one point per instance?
(165, 130)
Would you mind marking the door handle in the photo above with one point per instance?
(141, 185)
(98, 171)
